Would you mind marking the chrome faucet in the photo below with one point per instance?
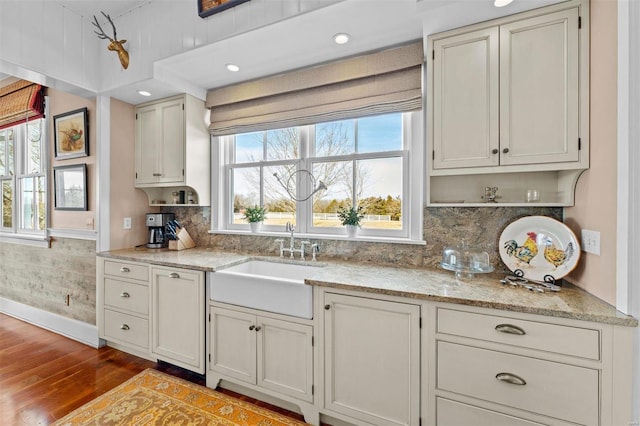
(290, 227)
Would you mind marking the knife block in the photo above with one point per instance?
(183, 242)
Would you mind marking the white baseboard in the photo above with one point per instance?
(68, 327)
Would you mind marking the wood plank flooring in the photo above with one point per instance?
(44, 376)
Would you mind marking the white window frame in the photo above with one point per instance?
(17, 233)
(413, 155)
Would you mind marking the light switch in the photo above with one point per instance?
(591, 241)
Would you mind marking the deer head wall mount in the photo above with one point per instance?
(115, 45)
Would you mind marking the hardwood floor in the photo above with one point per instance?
(44, 376)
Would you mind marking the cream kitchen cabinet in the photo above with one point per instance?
(178, 317)
(172, 149)
(122, 296)
(510, 96)
(267, 352)
(371, 359)
(507, 368)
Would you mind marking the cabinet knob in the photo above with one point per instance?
(505, 150)
(124, 327)
(494, 151)
(510, 329)
(511, 379)
(327, 307)
(258, 328)
(125, 294)
(124, 269)
(174, 275)
(252, 327)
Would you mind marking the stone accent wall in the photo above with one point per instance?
(478, 226)
(42, 277)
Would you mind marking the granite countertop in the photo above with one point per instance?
(422, 284)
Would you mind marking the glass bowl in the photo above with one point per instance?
(465, 261)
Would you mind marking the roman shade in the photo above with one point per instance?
(375, 83)
(19, 102)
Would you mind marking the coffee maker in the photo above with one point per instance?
(157, 223)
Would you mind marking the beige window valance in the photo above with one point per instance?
(19, 102)
(375, 83)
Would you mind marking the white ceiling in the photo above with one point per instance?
(297, 42)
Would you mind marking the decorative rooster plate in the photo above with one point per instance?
(541, 247)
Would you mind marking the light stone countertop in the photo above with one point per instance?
(422, 284)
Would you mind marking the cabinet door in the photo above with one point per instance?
(177, 317)
(172, 148)
(539, 89)
(372, 366)
(146, 149)
(465, 100)
(285, 357)
(233, 344)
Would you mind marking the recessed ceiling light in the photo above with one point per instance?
(233, 67)
(143, 93)
(501, 3)
(341, 38)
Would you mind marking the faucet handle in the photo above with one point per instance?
(302, 244)
(314, 250)
(281, 241)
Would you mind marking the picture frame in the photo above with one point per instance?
(70, 187)
(210, 7)
(71, 135)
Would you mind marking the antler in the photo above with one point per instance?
(102, 34)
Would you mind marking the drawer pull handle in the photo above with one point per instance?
(124, 327)
(511, 379)
(125, 294)
(124, 269)
(174, 275)
(157, 174)
(510, 329)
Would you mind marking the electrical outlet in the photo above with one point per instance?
(126, 223)
(591, 241)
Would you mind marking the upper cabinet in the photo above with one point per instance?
(507, 105)
(172, 151)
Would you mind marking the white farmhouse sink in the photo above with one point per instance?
(268, 286)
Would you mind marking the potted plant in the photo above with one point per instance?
(255, 216)
(350, 217)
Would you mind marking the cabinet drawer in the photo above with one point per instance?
(126, 270)
(573, 341)
(453, 413)
(557, 390)
(127, 296)
(126, 328)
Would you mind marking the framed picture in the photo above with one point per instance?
(70, 184)
(209, 7)
(70, 131)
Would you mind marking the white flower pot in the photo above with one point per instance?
(255, 226)
(352, 230)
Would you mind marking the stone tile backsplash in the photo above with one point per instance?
(443, 226)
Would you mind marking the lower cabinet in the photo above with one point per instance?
(178, 317)
(371, 359)
(268, 353)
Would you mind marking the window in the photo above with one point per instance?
(363, 162)
(23, 181)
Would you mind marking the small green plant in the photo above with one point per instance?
(350, 215)
(254, 214)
